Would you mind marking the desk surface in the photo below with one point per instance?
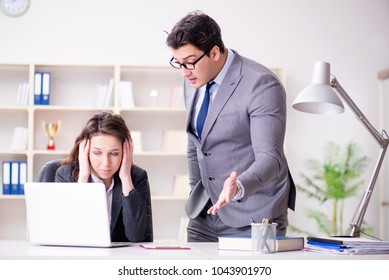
(22, 250)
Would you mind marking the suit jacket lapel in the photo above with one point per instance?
(116, 203)
(190, 102)
(226, 89)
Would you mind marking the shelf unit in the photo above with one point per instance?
(73, 100)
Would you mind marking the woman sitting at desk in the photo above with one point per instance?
(103, 152)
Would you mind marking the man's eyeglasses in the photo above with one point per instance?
(187, 65)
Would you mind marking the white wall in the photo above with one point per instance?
(352, 35)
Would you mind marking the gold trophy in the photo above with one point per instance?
(51, 130)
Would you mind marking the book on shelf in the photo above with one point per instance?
(22, 94)
(104, 94)
(347, 245)
(108, 94)
(174, 141)
(126, 97)
(136, 137)
(176, 99)
(20, 138)
(100, 91)
(244, 243)
(181, 185)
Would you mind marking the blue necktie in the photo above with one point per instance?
(203, 110)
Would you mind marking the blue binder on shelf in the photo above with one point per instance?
(45, 97)
(22, 176)
(14, 177)
(42, 88)
(6, 177)
(37, 88)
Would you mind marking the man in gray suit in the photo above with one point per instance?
(236, 118)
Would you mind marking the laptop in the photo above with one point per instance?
(68, 214)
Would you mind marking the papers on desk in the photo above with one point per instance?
(347, 245)
(152, 246)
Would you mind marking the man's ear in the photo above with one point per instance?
(214, 53)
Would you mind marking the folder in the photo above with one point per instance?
(37, 88)
(22, 176)
(6, 177)
(45, 97)
(14, 177)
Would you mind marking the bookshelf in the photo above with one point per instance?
(73, 100)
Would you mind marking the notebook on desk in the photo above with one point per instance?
(68, 214)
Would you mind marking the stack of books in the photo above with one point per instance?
(20, 139)
(243, 243)
(22, 95)
(126, 97)
(347, 245)
(104, 94)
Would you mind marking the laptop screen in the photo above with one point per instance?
(67, 214)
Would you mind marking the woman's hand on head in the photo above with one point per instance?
(125, 168)
(83, 161)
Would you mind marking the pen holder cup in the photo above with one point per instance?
(263, 238)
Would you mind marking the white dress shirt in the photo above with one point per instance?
(212, 91)
(95, 179)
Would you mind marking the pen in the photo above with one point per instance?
(262, 242)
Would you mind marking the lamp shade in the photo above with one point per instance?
(319, 97)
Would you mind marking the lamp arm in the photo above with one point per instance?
(383, 142)
(356, 221)
(346, 98)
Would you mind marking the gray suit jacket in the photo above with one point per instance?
(244, 131)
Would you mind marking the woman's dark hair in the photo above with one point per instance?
(197, 29)
(101, 123)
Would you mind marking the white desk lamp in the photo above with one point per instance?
(320, 98)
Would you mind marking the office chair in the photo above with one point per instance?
(47, 171)
(47, 174)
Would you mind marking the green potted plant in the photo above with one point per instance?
(331, 182)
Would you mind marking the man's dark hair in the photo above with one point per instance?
(197, 29)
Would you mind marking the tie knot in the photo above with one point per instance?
(209, 85)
